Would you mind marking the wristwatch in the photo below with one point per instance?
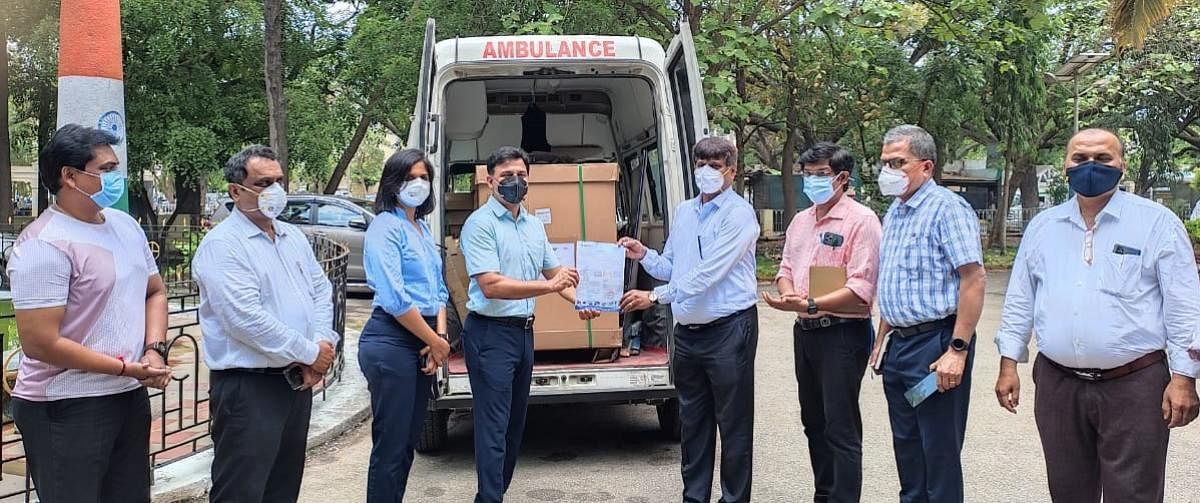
(159, 347)
(812, 306)
(653, 297)
(959, 344)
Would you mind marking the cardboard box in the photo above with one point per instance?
(457, 281)
(554, 197)
(557, 326)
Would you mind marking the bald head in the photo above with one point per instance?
(1095, 144)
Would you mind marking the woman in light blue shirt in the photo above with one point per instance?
(404, 342)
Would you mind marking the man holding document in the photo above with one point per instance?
(708, 262)
(827, 276)
(511, 263)
(931, 284)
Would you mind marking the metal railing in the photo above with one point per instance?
(180, 418)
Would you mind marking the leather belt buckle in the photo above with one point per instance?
(1088, 375)
(529, 323)
(825, 322)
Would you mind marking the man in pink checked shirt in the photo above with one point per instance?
(833, 333)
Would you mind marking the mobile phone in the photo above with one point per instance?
(295, 376)
(924, 389)
(832, 240)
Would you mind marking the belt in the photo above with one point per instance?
(512, 321)
(262, 370)
(719, 321)
(810, 324)
(925, 327)
(1097, 375)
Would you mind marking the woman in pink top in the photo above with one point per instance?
(91, 312)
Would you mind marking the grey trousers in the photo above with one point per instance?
(1102, 438)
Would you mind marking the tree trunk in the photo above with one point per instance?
(339, 171)
(787, 177)
(273, 66)
(1030, 202)
(46, 126)
(6, 199)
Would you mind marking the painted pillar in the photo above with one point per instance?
(91, 86)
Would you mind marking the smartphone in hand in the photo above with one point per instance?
(295, 376)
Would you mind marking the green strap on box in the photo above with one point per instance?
(582, 232)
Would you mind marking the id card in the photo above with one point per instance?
(924, 389)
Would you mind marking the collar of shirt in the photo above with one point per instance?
(249, 229)
(920, 195)
(839, 211)
(501, 212)
(704, 209)
(1115, 208)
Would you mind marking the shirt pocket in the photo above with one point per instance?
(1121, 275)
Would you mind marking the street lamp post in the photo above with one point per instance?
(1075, 66)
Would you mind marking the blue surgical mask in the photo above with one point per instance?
(1091, 179)
(819, 189)
(112, 187)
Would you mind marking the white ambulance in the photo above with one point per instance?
(606, 99)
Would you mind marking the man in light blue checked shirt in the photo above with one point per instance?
(930, 291)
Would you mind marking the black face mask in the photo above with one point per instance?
(513, 189)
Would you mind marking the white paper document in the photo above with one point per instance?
(601, 276)
(565, 253)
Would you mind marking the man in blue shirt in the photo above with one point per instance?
(510, 262)
(930, 291)
(708, 262)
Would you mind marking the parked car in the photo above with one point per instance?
(342, 219)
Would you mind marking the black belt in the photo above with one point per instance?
(512, 321)
(261, 370)
(810, 324)
(719, 321)
(925, 327)
(1137, 364)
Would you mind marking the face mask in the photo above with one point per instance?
(413, 193)
(708, 180)
(513, 189)
(112, 187)
(819, 189)
(271, 200)
(1092, 179)
(892, 182)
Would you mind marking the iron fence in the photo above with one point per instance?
(180, 417)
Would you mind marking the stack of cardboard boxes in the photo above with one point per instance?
(554, 198)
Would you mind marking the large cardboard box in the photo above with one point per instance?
(457, 281)
(554, 197)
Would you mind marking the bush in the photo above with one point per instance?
(1193, 230)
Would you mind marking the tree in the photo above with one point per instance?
(6, 206)
(273, 20)
(1132, 20)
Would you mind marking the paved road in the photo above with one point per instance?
(615, 454)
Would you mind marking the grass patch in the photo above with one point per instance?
(995, 258)
(767, 266)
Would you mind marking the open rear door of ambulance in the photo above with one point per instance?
(419, 132)
(687, 96)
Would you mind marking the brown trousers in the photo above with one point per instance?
(1102, 438)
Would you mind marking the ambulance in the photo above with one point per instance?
(605, 99)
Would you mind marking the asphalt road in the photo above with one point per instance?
(615, 453)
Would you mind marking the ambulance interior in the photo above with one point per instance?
(564, 119)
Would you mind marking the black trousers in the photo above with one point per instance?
(259, 431)
(830, 363)
(928, 439)
(389, 356)
(714, 376)
(88, 450)
(500, 368)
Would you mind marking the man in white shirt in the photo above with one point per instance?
(1108, 283)
(266, 307)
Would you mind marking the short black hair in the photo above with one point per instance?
(715, 147)
(70, 146)
(840, 160)
(235, 167)
(395, 174)
(505, 154)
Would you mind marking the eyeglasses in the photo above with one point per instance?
(807, 174)
(899, 162)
